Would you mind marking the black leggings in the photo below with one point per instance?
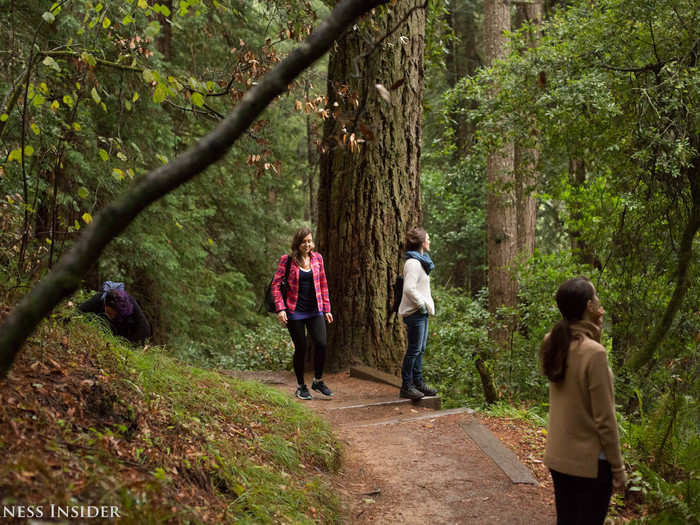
(582, 501)
(317, 329)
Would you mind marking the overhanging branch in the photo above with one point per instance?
(64, 279)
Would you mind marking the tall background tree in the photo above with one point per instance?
(501, 220)
(369, 185)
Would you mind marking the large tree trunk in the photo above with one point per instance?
(526, 157)
(501, 211)
(369, 198)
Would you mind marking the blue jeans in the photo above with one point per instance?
(417, 332)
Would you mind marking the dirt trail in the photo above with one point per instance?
(411, 465)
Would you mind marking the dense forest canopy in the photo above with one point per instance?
(589, 108)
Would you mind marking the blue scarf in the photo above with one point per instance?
(423, 258)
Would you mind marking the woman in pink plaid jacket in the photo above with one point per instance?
(306, 307)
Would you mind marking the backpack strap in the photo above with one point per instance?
(287, 267)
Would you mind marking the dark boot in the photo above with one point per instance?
(410, 392)
(425, 389)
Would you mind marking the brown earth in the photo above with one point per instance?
(399, 468)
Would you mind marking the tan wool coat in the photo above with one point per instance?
(582, 420)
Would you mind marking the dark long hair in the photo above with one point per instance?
(572, 298)
(296, 242)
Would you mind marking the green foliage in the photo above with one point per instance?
(114, 91)
(457, 332)
(613, 88)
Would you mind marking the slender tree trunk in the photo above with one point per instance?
(165, 40)
(312, 165)
(579, 247)
(527, 156)
(369, 196)
(501, 210)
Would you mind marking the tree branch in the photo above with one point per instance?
(101, 61)
(64, 279)
(685, 258)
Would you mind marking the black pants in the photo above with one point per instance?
(317, 330)
(582, 501)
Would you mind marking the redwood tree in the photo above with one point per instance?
(369, 181)
(501, 210)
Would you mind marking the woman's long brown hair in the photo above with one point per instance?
(296, 242)
(572, 298)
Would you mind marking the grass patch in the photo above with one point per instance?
(85, 420)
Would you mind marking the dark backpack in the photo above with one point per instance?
(398, 293)
(269, 301)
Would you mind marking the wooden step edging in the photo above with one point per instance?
(431, 415)
(432, 402)
(499, 453)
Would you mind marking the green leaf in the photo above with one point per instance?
(153, 29)
(68, 100)
(106, 23)
(88, 58)
(104, 155)
(50, 62)
(147, 76)
(4, 117)
(87, 218)
(28, 151)
(35, 128)
(95, 96)
(16, 155)
(77, 126)
(197, 99)
(143, 4)
(83, 192)
(160, 93)
(121, 156)
(48, 17)
(117, 173)
(127, 105)
(38, 100)
(128, 19)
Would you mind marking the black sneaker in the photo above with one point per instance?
(427, 390)
(320, 386)
(303, 392)
(410, 392)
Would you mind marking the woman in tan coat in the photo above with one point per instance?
(583, 445)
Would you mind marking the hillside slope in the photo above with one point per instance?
(87, 423)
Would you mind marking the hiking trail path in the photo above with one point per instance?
(411, 463)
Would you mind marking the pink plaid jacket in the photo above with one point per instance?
(320, 284)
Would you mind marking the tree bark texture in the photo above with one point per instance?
(526, 157)
(368, 199)
(501, 205)
(64, 279)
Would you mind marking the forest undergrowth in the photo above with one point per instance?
(86, 420)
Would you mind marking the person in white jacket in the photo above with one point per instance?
(416, 305)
